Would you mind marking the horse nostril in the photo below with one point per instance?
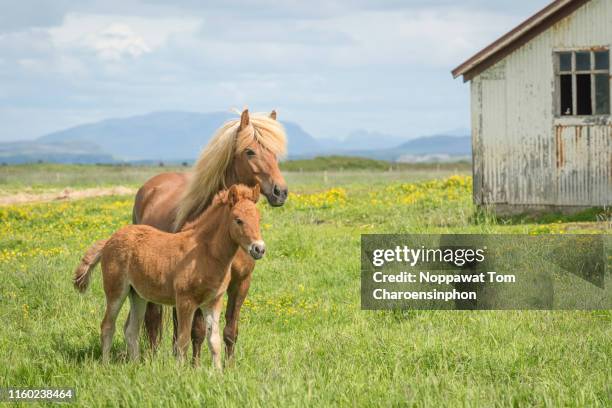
(276, 191)
(257, 250)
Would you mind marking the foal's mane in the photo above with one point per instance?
(219, 200)
(211, 167)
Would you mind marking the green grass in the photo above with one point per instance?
(347, 163)
(40, 178)
(49, 177)
(303, 339)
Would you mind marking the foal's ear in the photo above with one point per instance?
(273, 115)
(256, 191)
(232, 195)
(244, 119)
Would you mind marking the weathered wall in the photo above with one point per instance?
(523, 154)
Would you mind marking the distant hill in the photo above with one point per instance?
(437, 148)
(175, 136)
(364, 139)
(163, 135)
(62, 152)
(371, 140)
(299, 141)
(439, 144)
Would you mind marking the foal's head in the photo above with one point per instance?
(244, 215)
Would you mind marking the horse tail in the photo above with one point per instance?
(88, 263)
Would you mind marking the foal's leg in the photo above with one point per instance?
(138, 308)
(153, 324)
(236, 293)
(198, 334)
(114, 301)
(212, 331)
(185, 309)
(174, 331)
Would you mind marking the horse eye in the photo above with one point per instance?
(250, 152)
(239, 221)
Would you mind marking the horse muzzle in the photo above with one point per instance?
(257, 249)
(277, 195)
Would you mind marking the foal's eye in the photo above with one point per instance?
(239, 221)
(250, 152)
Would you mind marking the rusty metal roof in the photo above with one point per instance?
(515, 38)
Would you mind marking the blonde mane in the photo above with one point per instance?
(209, 171)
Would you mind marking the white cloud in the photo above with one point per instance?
(332, 66)
(113, 38)
(29, 63)
(117, 41)
(422, 38)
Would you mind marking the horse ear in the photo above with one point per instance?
(232, 195)
(256, 191)
(273, 115)
(244, 119)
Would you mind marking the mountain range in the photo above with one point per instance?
(175, 136)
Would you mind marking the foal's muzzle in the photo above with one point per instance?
(257, 249)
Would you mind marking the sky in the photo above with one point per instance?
(333, 66)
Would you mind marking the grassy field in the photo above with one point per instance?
(303, 339)
(40, 178)
(338, 163)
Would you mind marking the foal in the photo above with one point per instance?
(190, 269)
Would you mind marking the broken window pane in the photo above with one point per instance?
(583, 94)
(602, 94)
(583, 61)
(565, 61)
(602, 60)
(566, 95)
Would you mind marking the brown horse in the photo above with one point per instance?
(242, 151)
(187, 269)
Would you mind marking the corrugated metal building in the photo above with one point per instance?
(540, 103)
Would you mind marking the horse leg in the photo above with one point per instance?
(107, 328)
(153, 324)
(212, 329)
(236, 293)
(198, 334)
(185, 308)
(138, 308)
(174, 331)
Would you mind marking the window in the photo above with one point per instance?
(583, 83)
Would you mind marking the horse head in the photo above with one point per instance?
(244, 219)
(256, 164)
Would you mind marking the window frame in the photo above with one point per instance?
(574, 72)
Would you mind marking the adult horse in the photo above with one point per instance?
(243, 151)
